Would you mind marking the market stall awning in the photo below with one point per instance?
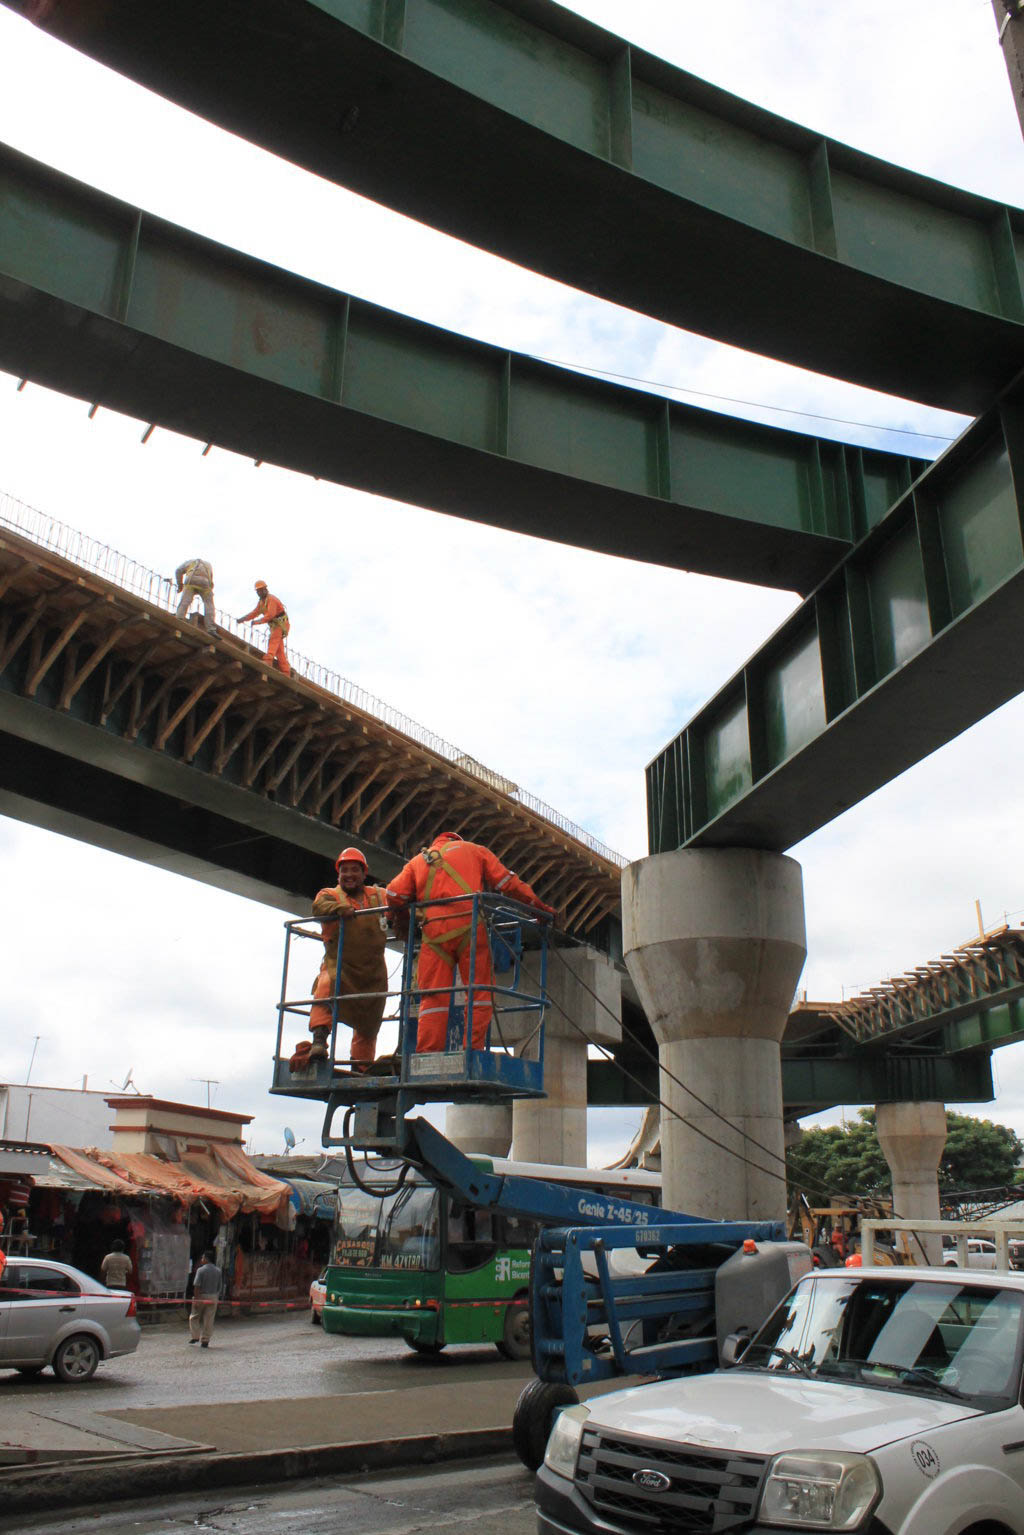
(309, 1197)
(221, 1175)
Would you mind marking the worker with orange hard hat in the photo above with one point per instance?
(453, 867)
(363, 966)
(271, 611)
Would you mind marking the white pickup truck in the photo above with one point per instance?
(879, 1400)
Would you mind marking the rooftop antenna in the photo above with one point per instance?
(32, 1057)
(210, 1082)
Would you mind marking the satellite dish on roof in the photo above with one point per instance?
(289, 1138)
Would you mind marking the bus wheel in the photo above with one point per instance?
(534, 1414)
(515, 1342)
(421, 1346)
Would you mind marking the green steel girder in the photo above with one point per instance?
(519, 127)
(965, 985)
(812, 1084)
(118, 308)
(918, 634)
(1001, 1024)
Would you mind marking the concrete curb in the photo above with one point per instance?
(60, 1485)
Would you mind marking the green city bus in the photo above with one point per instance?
(421, 1266)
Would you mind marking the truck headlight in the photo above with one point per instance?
(819, 1491)
(564, 1440)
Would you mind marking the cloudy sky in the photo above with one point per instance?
(145, 970)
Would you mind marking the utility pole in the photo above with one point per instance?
(1009, 16)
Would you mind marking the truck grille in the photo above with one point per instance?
(709, 1490)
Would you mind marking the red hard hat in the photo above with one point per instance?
(449, 836)
(350, 855)
(854, 1261)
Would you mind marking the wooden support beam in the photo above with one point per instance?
(140, 714)
(364, 783)
(213, 719)
(305, 736)
(170, 726)
(112, 696)
(337, 778)
(240, 737)
(257, 761)
(299, 791)
(71, 628)
(78, 676)
(365, 812)
(14, 644)
(434, 804)
(389, 818)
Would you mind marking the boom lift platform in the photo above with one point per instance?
(593, 1316)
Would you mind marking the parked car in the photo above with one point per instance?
(981, 1254)
(53, 1314)
(872, 1399)
(317, 1296)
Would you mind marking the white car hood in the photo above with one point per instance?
(766, 1414)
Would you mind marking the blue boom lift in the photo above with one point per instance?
(590, 1319)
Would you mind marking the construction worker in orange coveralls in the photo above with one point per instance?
(271, 611)
(363, 966)
(452, 867)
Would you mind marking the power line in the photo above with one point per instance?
(728, 399)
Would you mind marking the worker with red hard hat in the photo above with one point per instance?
(363, 966)
(270, 610)
(453, 867)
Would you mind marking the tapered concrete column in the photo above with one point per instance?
(912, 1137)
(586, 995)
(714, 941)
(484, 1128)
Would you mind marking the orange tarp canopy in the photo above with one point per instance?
(220, 1175)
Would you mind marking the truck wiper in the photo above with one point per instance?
(918, 1375)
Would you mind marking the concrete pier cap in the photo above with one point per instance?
(715, 941)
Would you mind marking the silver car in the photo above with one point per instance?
(53, 1314)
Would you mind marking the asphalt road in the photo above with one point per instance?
(494, 1497)
(272, 1356)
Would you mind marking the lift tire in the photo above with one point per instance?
(534, 1414)
(420, 1346)
(515, 1341)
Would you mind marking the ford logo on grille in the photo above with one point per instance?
(651, 1481)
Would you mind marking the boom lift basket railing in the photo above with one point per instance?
(381, 1094)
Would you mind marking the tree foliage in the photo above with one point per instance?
(832, 1163)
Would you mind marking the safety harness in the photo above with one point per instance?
(434, 859)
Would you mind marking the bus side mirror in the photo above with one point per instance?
(734, 1347)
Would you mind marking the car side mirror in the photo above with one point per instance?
(734, 1347)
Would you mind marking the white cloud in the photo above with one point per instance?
(580, 667)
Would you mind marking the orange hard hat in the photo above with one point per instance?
(350, 855)
(260, 586)
(449, 836)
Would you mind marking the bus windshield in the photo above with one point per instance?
(399, 1231)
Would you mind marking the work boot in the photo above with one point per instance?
(318, 1049)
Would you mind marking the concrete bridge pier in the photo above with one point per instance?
(714, 940)
(586, 995)
(912, 1137)
(484, 1128)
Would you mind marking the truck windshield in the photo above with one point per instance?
(957, 1340)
